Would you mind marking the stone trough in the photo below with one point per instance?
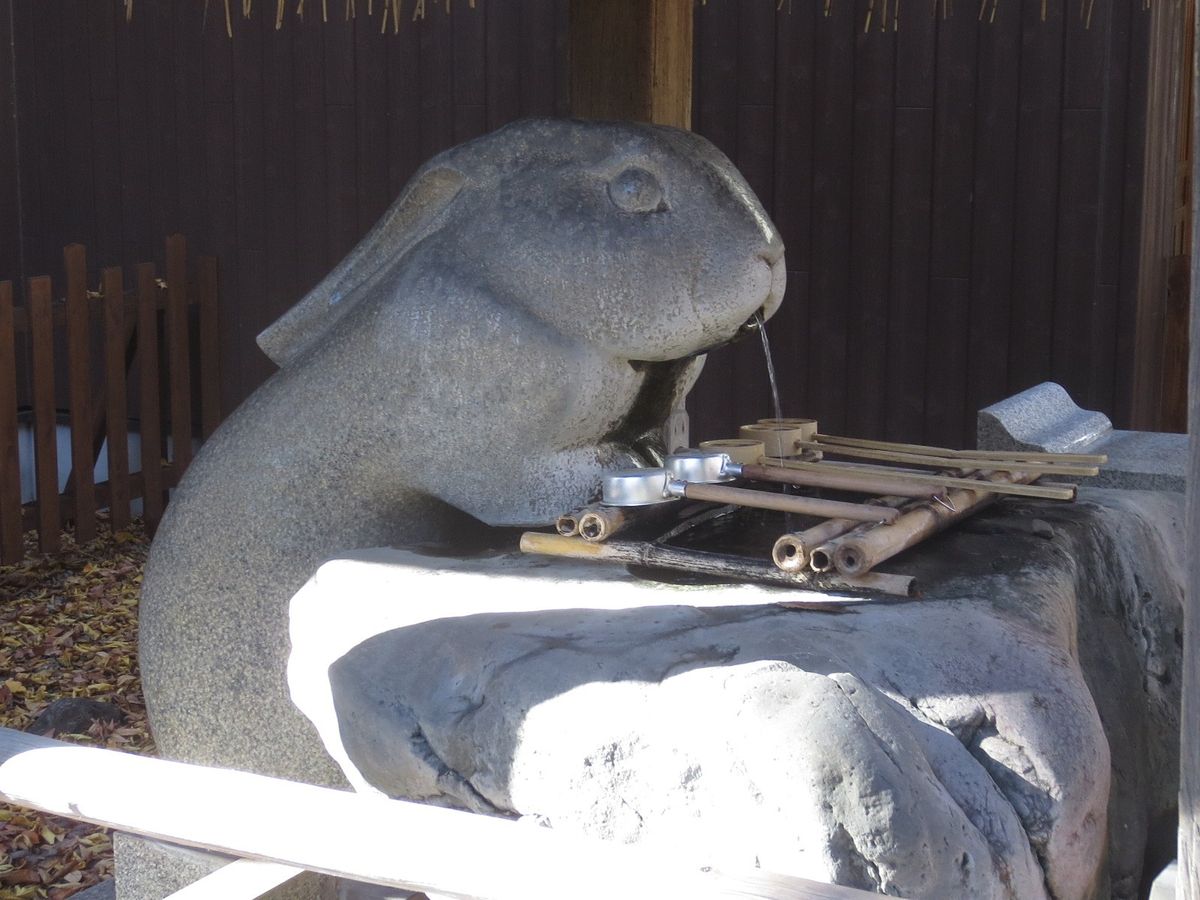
(524, 319)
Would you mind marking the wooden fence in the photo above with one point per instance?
(130, 313)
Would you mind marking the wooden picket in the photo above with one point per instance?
(126, 326)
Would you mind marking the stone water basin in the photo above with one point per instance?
(1011, 732)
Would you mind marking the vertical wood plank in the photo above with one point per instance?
(210, 378)
(102, 155)
(503, 71)
(150, 425)
(1134, 134)
(79, 339)
(1075, 313)
(117, 413)
(404, 104)
(371, 120)
(756, 161)
(10, 222)
(434, 37)
(470, 78)
(178, 356)
(1032, 325)
(908, 337)
(871, 228)
(12, 546)
(308, 85)
(41, 329)
(791, 208)
(993, 224)
(711, 404)
(833, 134)
(946, 419)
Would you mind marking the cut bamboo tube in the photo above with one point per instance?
(806, 427)
(698, 562)
(779, 440)
(568, 523)
(848, 480)
(806, 506)
(792, 551)
(600, 522)
(1041, 491)
(1092, 459)
(959, 462)
(859, 551)
(739, 450)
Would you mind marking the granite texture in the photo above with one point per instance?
(1045, 418)
(1011, 734)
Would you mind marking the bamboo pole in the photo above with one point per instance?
(1092, 459)
(859, 551)
(957, 462)
(719, 565)
(847, 480)
(805, 506)
(793, 551)
(1040, 491)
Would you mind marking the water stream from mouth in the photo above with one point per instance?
(762, 331)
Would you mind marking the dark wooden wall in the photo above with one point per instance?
(960, 204)
(275, 151)
(960, 201)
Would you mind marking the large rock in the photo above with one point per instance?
(1011, 733)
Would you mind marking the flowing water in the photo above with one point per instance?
(762, 331)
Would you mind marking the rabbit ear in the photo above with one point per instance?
(417, 213)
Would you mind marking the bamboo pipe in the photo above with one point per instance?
(568, 523)
(600, 522)
(1022, 489)
(1087, 459)
(792, 551)
(715, 564)
(806, 506)
(861, 550)
(848, 480)
(956, 462)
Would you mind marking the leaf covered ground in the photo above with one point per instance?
(68, 628)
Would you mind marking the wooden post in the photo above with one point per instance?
(151, 425)
(210, 349)
(116, 402)
(45, 417)
(179, 353)
(632, 59)
(12, 537)
(79, 365)
(1188, 884)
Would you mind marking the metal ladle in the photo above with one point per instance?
(697, 475)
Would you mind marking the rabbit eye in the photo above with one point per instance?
(636, 191)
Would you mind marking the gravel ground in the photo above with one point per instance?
(68, 632)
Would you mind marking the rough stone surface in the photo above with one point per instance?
(162, 869)
(1045, 418)
(1012, 733)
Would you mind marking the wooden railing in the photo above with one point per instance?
(128, 312)
(380, 841)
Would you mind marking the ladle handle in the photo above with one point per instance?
(805, 506)
(849, 480)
